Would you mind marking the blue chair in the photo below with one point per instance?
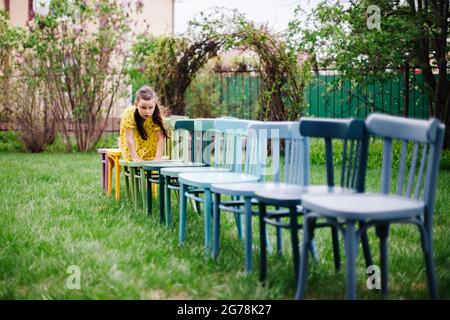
(229, 141)
(353, 135)
(383, 209)
(203, 154)
(269, 138)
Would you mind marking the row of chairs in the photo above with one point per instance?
(265, 165)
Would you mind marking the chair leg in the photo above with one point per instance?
(207, 219)
(106, 175)
(133, 186)
(143, 190)
(238, 220)
(196, 206)
(350, 253)
(116, 163)
(110, 165)
(104, 172)
(126, 173)
(336, 251)
(138, 187)
(248, 234)
(182, 203)
(382, 232)
(149, 193)
(167, 199)
(365, 246)
(161, 197)
(427, 248)
(216, 225)
(262, 244)
(279, 238)
(303, 268)
(294, 240)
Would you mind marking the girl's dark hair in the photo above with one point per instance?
(147, 93)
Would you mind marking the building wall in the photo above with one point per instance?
(18, 12)
(158, 14)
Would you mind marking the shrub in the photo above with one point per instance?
(108, 140)
(202, 97)
(10, 141)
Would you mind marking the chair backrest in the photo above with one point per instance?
(421, 146)
(183, 139)
(354, 137)
(296, 162)
(267, 141)
(203, 128)
(169, 124)
(229, 136)
(174, 118)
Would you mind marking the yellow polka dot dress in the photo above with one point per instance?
(146, 149)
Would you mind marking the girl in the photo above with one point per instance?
(142, 131)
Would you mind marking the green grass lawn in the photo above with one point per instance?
(53, 214)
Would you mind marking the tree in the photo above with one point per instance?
(414, 32)
(172, 65)
(23, 100)
(82, 50)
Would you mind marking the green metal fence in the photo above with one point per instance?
(239, 96)
(386, 96)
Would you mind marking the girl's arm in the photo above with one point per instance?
(129, 136)
(160, 146)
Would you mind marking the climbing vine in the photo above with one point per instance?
(173, 63)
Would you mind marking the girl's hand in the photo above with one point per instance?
(137, 159)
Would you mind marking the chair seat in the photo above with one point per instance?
(113, 152)
(291, 194)
(175, 171)
(363, 206)
(206, 179)
(246, 189)
(133, 164)
(148, 165)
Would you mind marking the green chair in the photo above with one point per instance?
(203, 131)
(183, 154)
(133, 181)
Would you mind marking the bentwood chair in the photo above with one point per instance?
(407, 199)
(229, 142)
(352, 135)
(267, 161)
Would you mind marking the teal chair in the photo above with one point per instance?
(408, 199)
(230, 140)
(203, 131)
(269, 138)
